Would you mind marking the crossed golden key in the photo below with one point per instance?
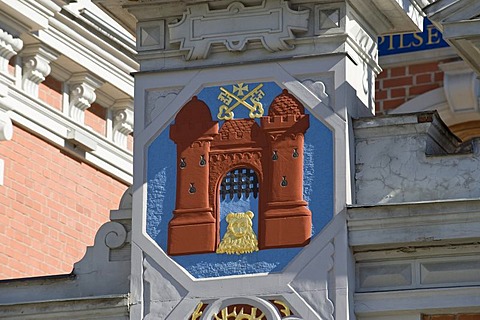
(225, 112)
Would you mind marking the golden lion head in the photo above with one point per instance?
(239, 237)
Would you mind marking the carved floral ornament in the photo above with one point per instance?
(244, 312)
(272, 22)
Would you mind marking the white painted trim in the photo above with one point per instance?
(85, 53)
(53, 126)
(442, 300)
(457, 220)
(111, 306)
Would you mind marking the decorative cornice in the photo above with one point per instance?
(122, 121)
(54, 127)
(82, 94)
(36, 66)
(385, 225)
(9, 46)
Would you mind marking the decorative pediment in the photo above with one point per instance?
(272, 23)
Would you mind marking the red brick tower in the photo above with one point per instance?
(193, 226)
(286, 220)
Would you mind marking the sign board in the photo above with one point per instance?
(430, 38)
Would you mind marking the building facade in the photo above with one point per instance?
(66, 103)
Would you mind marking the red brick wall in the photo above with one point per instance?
(95, 118)
(397, 85)
(11, 66)
(50, 92)
(462, 316)
(51, 206)
(130, 142)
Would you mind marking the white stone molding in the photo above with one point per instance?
(6, 133)
(9, 46)
(82, 94)
(58, 128)
(406, 303)
(272, 23)
(122, 121)
(151, 35)
(427, 222)
(329, 18)
(161, 291)
(462, 87)
(313, 291)
(36, 66)
(6, 127)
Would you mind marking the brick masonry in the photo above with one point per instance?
(51, 206)
(11, 66)
(50, 92)
(399, 84)
(95, 118)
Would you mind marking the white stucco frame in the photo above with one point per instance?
(261, 285)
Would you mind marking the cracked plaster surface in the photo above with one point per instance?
(395, 169)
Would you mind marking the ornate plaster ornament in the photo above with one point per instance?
(9, 46)
(272, 23)
(319, 89)
(122, 121)
(158, 100)
(239, 238)
(82, 95)
(36, 67)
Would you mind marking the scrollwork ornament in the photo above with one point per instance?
(116, 235)
(122, 126)
(35, 71)
(81, 98)
(9, 42)
(9, 46)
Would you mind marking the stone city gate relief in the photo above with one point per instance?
(242, 157)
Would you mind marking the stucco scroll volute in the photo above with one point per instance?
(272, 23)
(36, 66)
(9, 46)
(82, 95)
(122, 121)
